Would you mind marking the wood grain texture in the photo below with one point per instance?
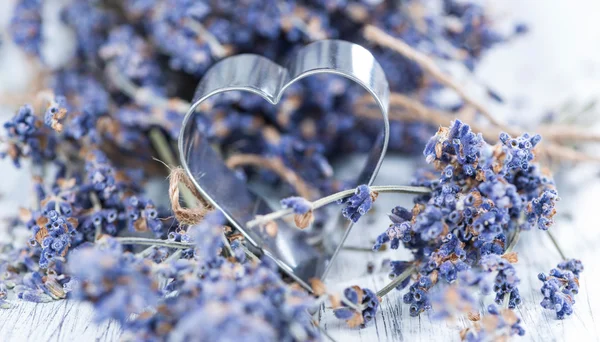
(64, 320)
(576, 229)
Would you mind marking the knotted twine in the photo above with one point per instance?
(194, 214)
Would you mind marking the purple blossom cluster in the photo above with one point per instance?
(363, 298)
(116, 282)
(506, 280)
(162, 49)
(498, 324)
(300, 205)
(142, 216)
(26, 26)
(358, 204)
(417, 296)
(26, 138)
(168, 296)
(459, 299)
(560, 287)
(482, 196)
(79, 203)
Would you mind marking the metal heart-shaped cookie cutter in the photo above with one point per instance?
(228, 193)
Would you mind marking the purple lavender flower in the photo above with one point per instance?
(55, 113)
(104, 220)
(506, 280)
(497, 323)
(26, 25)
(452, 302)
(473, 33)
(132, 56)
(26, 138)
(364, 298)
(53, 233)
(90, 23)
(418, 297)
(572, 265)
(560, 287)
(519, 153)
(207, 236)
(457, 141)
(142, 216)
(399, 230)
(358, 204)
(117, 282)
(478, 198)
(300, 205)
(541, 210)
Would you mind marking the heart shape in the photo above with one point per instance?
(226, 192)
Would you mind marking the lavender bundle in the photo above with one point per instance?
(94, 124)
(462, 233)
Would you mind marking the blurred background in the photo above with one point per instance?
(552, 69)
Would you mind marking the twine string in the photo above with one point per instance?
(191, 215)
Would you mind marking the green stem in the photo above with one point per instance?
(555, 243)
(513, 241)
(402, 189)
(145, 252)
(357, 249)
(348, 303)
(173, 256)
(249, 253)
(162, 146)
(153, 242)
(506, 300)
(394, 283)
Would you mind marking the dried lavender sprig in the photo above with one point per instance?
(358, 249)
(131, 240)
(394, 283)
(174, 256)
(349, 304)
(215, 46)
(249, 253)
(402, 189)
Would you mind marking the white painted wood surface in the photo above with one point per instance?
(558, 60)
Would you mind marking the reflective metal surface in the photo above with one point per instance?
(226, 192)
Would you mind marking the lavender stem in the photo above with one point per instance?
(402, 189)
(555, 243)
(394, 283)
(153, 242)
